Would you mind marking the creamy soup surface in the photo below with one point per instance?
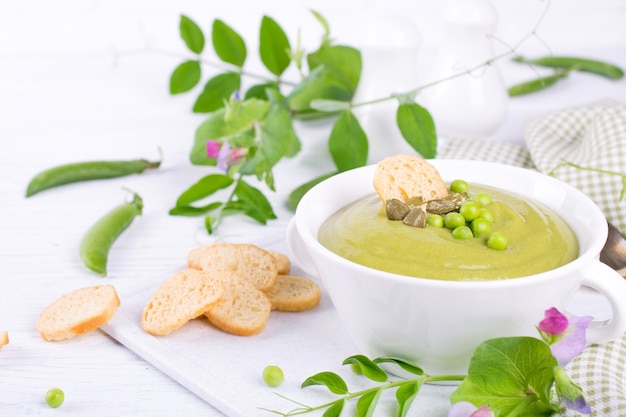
(538, 240)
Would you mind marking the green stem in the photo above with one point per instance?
(388, 385)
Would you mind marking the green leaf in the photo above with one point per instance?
(334, 74)
(402, 363)
(344, 62)
(216, 91)
(418, 129)
(348, 143)
(368, 367)
(366, 405)
(255, 204)
(296, 195)
(335, 409)
(260, 91)
(185, 77)
(203, 188)
(405, 394)
(228, 44)
(513, 375)
(209, 224)
(330, 380)
(191, 34)
(194, 211)
(274, 46)
(325, 26)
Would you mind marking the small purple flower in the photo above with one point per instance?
(566, 337)
(570, 394)
(467, 409)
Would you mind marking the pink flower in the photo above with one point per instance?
(467, 409)
(566, 337)
(212, 148)
(225, 155)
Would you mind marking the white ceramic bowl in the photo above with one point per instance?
(436, 323)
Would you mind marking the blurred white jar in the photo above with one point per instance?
(389, 46)
(474, 104)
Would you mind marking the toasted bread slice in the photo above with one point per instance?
(293, 293)
(405, 176)
(283, 263)
(183, 297)
(4, 338)
(249, 261)
(243, 311)
(78, 312)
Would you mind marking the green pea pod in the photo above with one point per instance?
(95, 246)
(86, 171)
(537, 84)
(604, 69)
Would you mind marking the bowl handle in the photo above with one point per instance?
(612, 286)
(298, 250)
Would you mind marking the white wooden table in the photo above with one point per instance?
(91, 103)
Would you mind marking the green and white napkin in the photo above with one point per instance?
(592, 137)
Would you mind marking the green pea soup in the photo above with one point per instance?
(538, 240)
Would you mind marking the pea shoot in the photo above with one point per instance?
(273, 375)
(55, 397)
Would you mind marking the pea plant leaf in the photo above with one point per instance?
(366, 405)
(191, 34)
(260, 90)
(513, 375)
(194, 210)
(405, 394)
(274, 46)
(228, 44)
(334, 74)
(402, 363)
(217, 90)
(204, 187)
(185, 77)
(418, 128)
(348, 142)
(335, 409)
(367, 367)
(253, 202)
(330, 380)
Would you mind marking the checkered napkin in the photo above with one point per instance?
(592, 136)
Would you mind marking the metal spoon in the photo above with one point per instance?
(614, 252)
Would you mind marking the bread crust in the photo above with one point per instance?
(78, 312)
(182, 297)
(405, 176)
(249, 261)
(294, 293)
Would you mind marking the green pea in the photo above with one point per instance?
(459, 186)
(486, 214)
(95, 246)
(537, 84)
(273, 375)
(604, 69)
(483, 199)
(86, 171)
(480, 227)
(55, 397)
(435, 220)
(462, 233)
(453, 220)
(497, 241)
(469, 211)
